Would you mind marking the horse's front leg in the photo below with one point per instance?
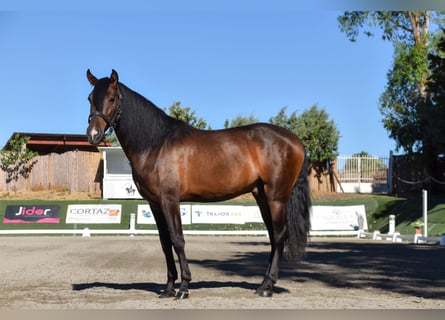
(166, 244)
(173, 217)
(186, 277)
(172, 273)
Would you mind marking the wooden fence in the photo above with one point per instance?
(82, 171)
(76, 171)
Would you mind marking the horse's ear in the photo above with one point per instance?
(114, 78)
(92, 79)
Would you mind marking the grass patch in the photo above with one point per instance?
(407, 210)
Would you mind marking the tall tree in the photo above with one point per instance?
(410, 27)
(436, 89)
(404, 103)
(16, 160)
(285, 121)
(240, 120)
(187, 115)
(320, 137)
(112, 138)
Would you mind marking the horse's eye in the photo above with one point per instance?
(112, 99)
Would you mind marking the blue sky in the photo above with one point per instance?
(221, 61)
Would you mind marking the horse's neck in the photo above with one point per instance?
(141, 128)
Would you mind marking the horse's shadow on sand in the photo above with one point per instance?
(157, 287)
(400, 268)
(250, 266)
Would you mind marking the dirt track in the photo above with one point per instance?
(123, 272)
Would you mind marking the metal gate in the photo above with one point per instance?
(362, 174)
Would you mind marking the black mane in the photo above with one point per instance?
(143, 125)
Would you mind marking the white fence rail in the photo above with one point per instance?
(376, 235)
(88, 232)
(132, 231)
(397, 237)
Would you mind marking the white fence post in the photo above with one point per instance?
(86, 232)
(395, 237)
(392, 224)
(376, 235)
(389, 173)
(425, 212)
(132, 224)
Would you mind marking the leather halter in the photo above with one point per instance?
(112, 123)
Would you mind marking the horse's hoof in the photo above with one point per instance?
(182, 295)
(168, 294)
(265, 293)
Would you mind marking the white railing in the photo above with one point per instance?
(397, 237)
(362, 169)
(363, 174)
(86, 232)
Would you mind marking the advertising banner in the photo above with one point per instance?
(338, 218)
(120, 188)
(218, 214)
(32, 214)
(252, 214)
(145, 216)
(94, 213)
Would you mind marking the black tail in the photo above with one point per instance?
(298, 216)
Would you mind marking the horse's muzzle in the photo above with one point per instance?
(95, 135)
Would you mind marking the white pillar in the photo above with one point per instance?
(442, 240)
(132, 224)
(86, 232)
(425, 212)
(392, 224)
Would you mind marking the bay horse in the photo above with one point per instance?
(172, 161)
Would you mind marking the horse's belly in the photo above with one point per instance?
(219, 185)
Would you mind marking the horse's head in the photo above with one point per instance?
(104, 106)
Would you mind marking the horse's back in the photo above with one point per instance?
(261, 139)
(280, 151)
(253, 133)
(222, 163)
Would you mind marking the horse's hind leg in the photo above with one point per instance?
(277, 239)
(274, 219)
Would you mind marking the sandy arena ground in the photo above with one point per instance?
(128, 273)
